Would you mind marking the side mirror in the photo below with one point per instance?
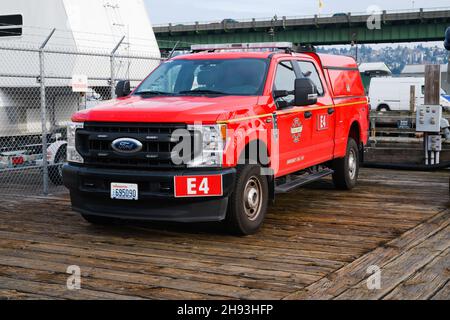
(447, 39)
(305, 92)
(123, 88)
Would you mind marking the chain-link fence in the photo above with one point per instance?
(37, 100)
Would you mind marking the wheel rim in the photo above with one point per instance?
(352, 164)
(252, 198)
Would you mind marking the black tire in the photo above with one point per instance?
(383, 107)
(248, 204)
(98, 220)
(346, 170)
(55, 172)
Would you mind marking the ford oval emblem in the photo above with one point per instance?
(126, 145)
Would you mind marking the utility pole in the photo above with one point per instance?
(354, 43)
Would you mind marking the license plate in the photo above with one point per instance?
(17, 160)
(198, 186)
(124, 191)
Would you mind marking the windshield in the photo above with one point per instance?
(207, 77)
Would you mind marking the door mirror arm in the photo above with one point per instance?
(281, 93)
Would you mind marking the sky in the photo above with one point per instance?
(175, 11)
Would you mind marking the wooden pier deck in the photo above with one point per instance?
(317, 243)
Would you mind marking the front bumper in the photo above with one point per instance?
(90, 194)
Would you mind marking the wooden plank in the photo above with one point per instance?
(424, 283)
(89, 271)
(402, 267)
(338, 282)
(301, 254)
(129, 263)
(142, 291)
(443, 293)
(57, 291)
(9, 294)
(164, 259)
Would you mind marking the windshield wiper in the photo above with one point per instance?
(204, 92)
(153, 93)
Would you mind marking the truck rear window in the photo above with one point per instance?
(227, 77)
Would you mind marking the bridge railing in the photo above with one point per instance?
(299, 17)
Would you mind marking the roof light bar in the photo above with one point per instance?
(242, 46)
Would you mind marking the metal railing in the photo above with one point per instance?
(298, 17)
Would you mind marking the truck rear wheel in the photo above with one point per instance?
(346, 170)
(248, 204)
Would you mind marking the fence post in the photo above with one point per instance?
(44, 112)
(113, 68)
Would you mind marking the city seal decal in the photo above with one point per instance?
(296, 130)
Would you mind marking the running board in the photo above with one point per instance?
(301, 181)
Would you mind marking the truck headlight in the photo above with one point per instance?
(209, 151)
(72, 153)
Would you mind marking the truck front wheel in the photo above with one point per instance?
(346, 170)
(248, 204)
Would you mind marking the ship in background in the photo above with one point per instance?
(88, 26)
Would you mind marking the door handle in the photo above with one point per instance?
(308, 115)
(331, 111)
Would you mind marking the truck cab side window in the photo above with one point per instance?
(285, 80)
(308, 70)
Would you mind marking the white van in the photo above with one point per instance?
(393, 94)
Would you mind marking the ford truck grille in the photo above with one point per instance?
(94, 143)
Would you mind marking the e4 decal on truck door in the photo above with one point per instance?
(198, 186)
(322, 122)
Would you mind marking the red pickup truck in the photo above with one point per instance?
(216, 134)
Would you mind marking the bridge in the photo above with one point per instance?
(341, 28)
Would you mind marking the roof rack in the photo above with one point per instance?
(288, 47)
